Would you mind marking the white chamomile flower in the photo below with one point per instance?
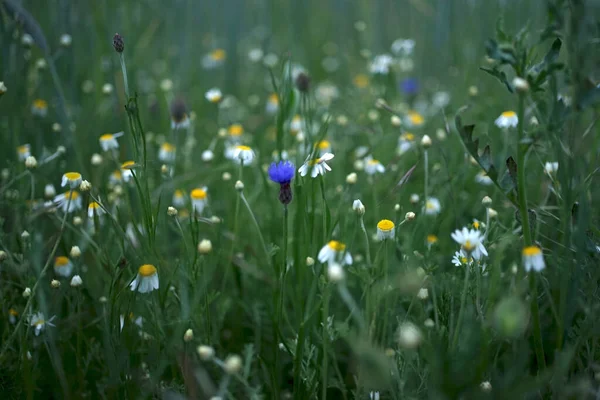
(385, 230)
(214, 95)
(178, 198)
(332, 251)
(406, 141)
(24, 151)
(63, 266)
(317, 167)
(460, 258)
(166, 153)
(73, 179)
(69, 201)
(198, 197)
(550, 168)
(108, 141)
(471, 241)
(146, 279)
(508, 119)
(432, 206)
(39, 322)
(483, 179)
(139, 321)
(242, 154)
(373, 166)
(272, 105)
(533, 259)
(94, 208)
(381, 64)
(127, 170)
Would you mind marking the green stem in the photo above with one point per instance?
(124, 70)
(255, 222)
(425, 191)
(325, 339)
(463, 300)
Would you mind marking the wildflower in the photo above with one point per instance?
(108, 141)
(146, 279)
(486, 201)
(107, 89)
(214, 59)
(550, 168)
(520, 84)
(38, 321)
(27, 292)
(63, 266)
(96, 159)
(127, 170)
(239, 186)
(24, 151)
(361, 81)
(198, 197)
(483, 179)
(69, 201)
(205, 246)
(139, 321)
(332, 251)
(39, 108)
(73, 179)
(460, 258)
(233, 364)
(214, 95)
(166, 153)
(413, 118)
(323, 147)
(409, 86)
(12, 316)
(471, 241)
(76, 281)
(533, 259)
(65, 40)
(296, 124)
(405, 142)
(235, 131)
(381, 64)
(171, 211)
(178, 198)
(486, 386)
(409, 336)
(351, 178)
(49, 191)
(255, 55)
(55, 284)
(403, 47)
(373, 395)
(27, 40)
(75, 252)
(358, 207)
(335, 272)
(373, 166)
(205, 352)
(317, 166)
(426, 142)
(188, 336)
(118, 43)
(283, 173)
(508, 119)
(94, 208)
(207, 155)
(385, 229)
(242, 154)
(431, 240)
(30, 162)
(226, 176)
(179, 117)
(272, 105)
(423, 294)
(2, 88)
(373, 115)
(410, 216)
(432, 206)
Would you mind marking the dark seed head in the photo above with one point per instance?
(118, 43)
(285, 193)
(178, 110)
(303, 82)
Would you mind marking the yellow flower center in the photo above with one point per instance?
(168, 147)
(385, 225)
(40, 103)
(94, 205)
(431, 239)
(147, 270)
(72, 195)
(463, 260)
(243, 148)
(61, 261)
(429, 205)
(373, 162)
(509, 114)
(273, 98)
(531, 251)
(23, 149)
(116, 175)
(127, 165)
(106, 137)
(218, 54)
(361, 81)
(198, 194)
(72, 176)
(178, 194)
(408, 136)
(336, 246)
(323, 144)
(476, 224)
(13, 312)
(236, 130)
(39, 322)
(415, 118)
(314, 162)
(468, 245)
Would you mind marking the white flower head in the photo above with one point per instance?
(381, 64)
(334, 252)
(460, 258)
(406, 141)
(358, 207)
(533, 259)
(483, 179)
(385, 230)
(108, 141)
(508, 119)
(146, 279)
(63, 266)
(166, 153)
(73, 179)
(432, 206)
(373, 166)
(241, 154)
(214, 95)
(550, 168)
(69, 201)
(317, 167)
(198, 197)
(39, 322)
(471, 241)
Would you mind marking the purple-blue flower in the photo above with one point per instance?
(410, 86)
(281, 172)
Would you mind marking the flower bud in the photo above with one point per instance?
(84, 186)
(233, 364)
(96, 159)
(409, 336)
(486, 201)
(395, 120)
(205, 246)
(25, 235)
(207, 155)
(492, 213)
(414, 198)
(2, 88)
(76, 281)
(335, 272)
(239, 186)
(410, 216)
(188, 336)
(77, 221)
(351, 178)
(171, 211)
(49, 191)
(118, 43)
(423, 294)
(30, 162)
(426, 142)
(226, 176)
(486, 386)
(520, 84)
(55, 284)
(358, 207)
(75, 252)
(205, 352)
(66, 40)
(3, 255)
(310, 261)
(27, 292)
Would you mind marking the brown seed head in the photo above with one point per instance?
(118, 43)
(178, 110)
(303, 82)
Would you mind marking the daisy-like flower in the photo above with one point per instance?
(432, 206)
(403, 46)
(108, 141)
(323, 147)
(332, 251)
(139, 321)
(476, 224)
(179, 117)
(115, 178)
(381, 64)
(550, 168)
(198, 197)
(214, 59)
(282, 173)
(361, 81)
(146, 279)
(166, 153)
(296, 124)
(241, 154)
(127, 170)
(39, 108)
(235, 131)
(39, 322)
(63, 266)
(214, 95)
(73, 179)
(413, 118)
(460, 258)
(431, 240)
(385, 230)
(94, 208)
(483, 179)
(317, 167)
(533, 259)
(12, 316)
(24, 151)
(373, 166)
(272, 105)
(508, 119)
(69, 201)
(471, 241)
(178, 198)
(406, 141)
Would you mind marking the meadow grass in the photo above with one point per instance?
(273, 200)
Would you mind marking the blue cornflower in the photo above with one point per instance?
(282, 173)
(410, 86)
